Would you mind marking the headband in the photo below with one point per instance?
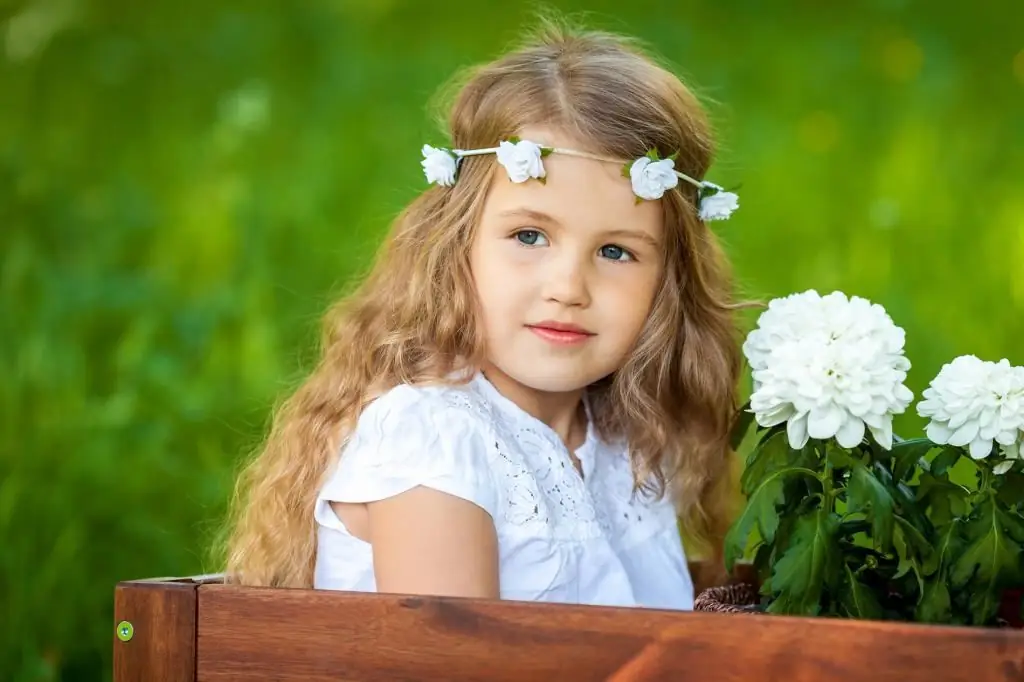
(649, 175)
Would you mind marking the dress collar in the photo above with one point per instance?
(510, 408)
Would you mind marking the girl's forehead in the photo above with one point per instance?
(576, 192)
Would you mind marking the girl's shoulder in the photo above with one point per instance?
(434, 436)
(430, 406)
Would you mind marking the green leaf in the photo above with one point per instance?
(788, 516)
(904, 554)
(1013, 523)
(809, 564)
(770, 454)
(945, 460)
(625, 170)
(908, 454)
(763, 563)
(839, 457)
(759, 511)
(514, 139)
(857, 599)
(912, 549)
(1010, 489)
(851, 527)
(807, 456)
(984, 605)
(546, 151)
(934, 606)
(740, 427)
(903, 497)
(947, 545)
(913, 537)
(868, 495)
(652, 154)
(988, 559)
(944, 499)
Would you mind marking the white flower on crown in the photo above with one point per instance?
(521, 159)
(439, 165)
(972, 403)
(828, 366)
(716, 203)
(652, 177)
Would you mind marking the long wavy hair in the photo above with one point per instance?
(412, 320)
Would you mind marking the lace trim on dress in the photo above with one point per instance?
(543, 486)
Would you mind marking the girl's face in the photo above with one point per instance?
(566, 271)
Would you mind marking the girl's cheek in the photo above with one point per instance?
(520, 258)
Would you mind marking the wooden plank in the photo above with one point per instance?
(158, 640)
(739, 647)
(155, 603)
(259, 635)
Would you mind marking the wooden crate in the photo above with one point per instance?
(200, 630)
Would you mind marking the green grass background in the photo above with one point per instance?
(185, 185)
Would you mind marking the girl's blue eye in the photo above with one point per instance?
(530, 237)
(612, 252)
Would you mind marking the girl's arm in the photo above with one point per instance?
(429, 542)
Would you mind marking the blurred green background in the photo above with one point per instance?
(184, 186)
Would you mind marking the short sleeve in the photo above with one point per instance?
(409, 437)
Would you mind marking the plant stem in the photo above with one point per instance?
(828, 495)
(986, 479)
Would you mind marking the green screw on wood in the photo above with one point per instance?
(125, 630)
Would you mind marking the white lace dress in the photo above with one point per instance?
(561, 538)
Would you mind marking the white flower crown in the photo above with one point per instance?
(650, 176)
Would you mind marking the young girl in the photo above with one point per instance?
(537, 380)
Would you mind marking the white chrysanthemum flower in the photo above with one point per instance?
(651, 178)
(718, 206)
(973, 403)
(439, 165)
(522, 160)
(828, 366)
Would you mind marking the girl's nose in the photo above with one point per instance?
(566, 281)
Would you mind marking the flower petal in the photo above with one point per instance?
(718, 206)
(938, 432)
(824, 423)
(980, 448)
(851, 433)
(965, 434)
(883, 435)
(796, 431)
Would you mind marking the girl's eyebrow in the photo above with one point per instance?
(528, 213)
(634, 234)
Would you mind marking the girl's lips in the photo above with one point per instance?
(563, 334)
